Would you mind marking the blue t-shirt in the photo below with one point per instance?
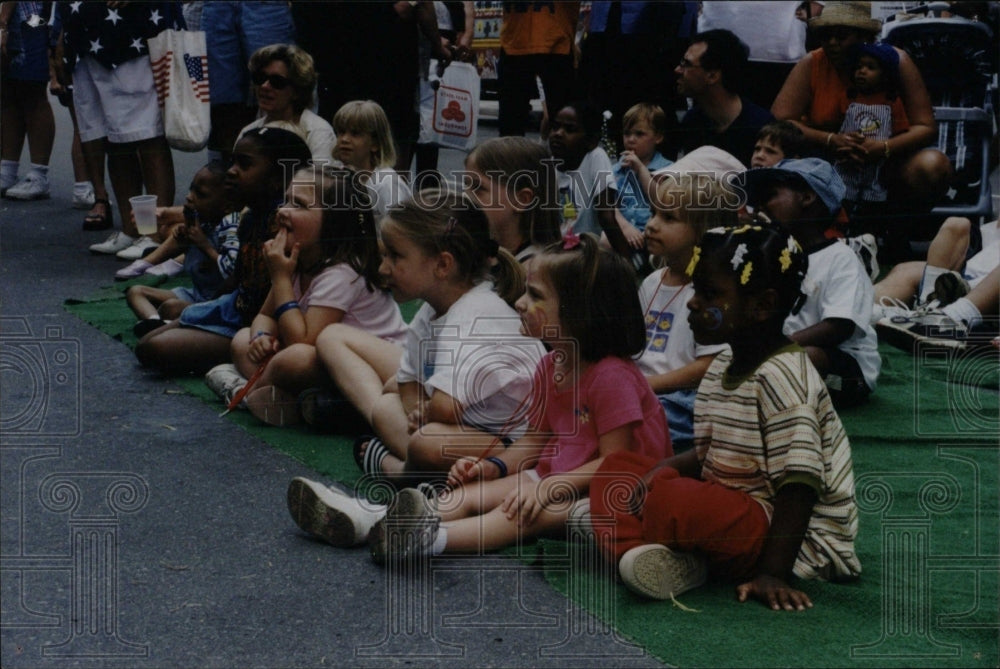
(632, 200)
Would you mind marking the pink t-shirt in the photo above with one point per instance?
(610, 394)
(340, 287)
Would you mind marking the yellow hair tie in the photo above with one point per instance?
(695, 257)
(745, 277)
(785, 259)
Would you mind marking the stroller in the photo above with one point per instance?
(957, 58)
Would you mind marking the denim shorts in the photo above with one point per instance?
(233, 31)
(679, 408)
(32, 63)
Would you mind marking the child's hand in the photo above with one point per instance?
(180, 235)
(633, 236)
(196, 236)
(278, 262)
(631, 161)
(414, 420)
(468, 469)
(774, 592)
(262, 348)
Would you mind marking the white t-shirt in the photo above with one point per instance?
(476, 354)
(770, 29)
(669, 342)
(340, 287)
(837, 286)
(387, 189)
(578, 188)
(316, 132)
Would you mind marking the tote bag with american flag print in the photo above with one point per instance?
(180, 72)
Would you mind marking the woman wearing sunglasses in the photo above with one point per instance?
(284, 78)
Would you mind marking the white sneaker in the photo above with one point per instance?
(6, 183)
(866, 249)
(225, 381)
(115, 242)
(136, 268)
(929, 329)
(34, 186)
(138, 249)
(331, 515)
(83, 196)
(657, 572)
(166, 268)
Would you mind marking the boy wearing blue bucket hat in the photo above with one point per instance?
(834, 323)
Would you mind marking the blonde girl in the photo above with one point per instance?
(364, 142)
(460, 381)
(684, 207)
(323, 263)
(514, 181)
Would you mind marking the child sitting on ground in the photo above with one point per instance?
(323, 263)
(209, 243)
(590, 400)
(587, 191)
(834, 324)
(777, 141)
(768, 491)
(672, 361)
(643, 127)
(510, 179)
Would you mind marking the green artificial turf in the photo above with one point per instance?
(926, 470)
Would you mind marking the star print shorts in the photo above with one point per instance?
(119, 104)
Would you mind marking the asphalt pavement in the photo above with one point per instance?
(139, 529)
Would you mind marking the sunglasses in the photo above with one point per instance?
(276, 81)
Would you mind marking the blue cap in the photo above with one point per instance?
(818, 175)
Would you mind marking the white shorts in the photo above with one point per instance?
(119, 104)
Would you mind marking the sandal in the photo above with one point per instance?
(100, 221)
(370, 462)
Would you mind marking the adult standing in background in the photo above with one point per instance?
(629, 45)
(234, 31)
(711, 73)
(777, 40)
(106, 58)
(536, 40)
(369, 51)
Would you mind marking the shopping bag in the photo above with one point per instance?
(449, 108)
(180, 72)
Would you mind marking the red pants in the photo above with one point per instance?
(727, 526)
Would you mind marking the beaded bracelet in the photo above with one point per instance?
(287, 306)
(501, 465)
(260, 333)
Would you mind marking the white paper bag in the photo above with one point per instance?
(180, 72)
(449, 114)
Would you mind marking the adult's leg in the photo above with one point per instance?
(40, 124)
(176, 350)
(157, 169)
(94, 160)
(919, 181)
(558, 81)
(516, 78)
(12, 122)
(125, 171)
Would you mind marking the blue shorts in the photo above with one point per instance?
(233, 31)
(32, 62)
(679, 407)
(218, 316)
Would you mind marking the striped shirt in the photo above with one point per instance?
(777, 426)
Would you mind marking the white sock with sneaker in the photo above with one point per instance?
(963, 311)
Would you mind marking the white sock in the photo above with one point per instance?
(440, 541)
(83, 186)
(8, 171)
(963, 311)
(931, 273)
(41, 169)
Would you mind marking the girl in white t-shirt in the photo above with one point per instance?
(461, 381)
(323, 263)
(684, 207)
(364, 142)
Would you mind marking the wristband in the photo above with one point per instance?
(828, 138)
(287, 306)
(260, 333)
(501, 465)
